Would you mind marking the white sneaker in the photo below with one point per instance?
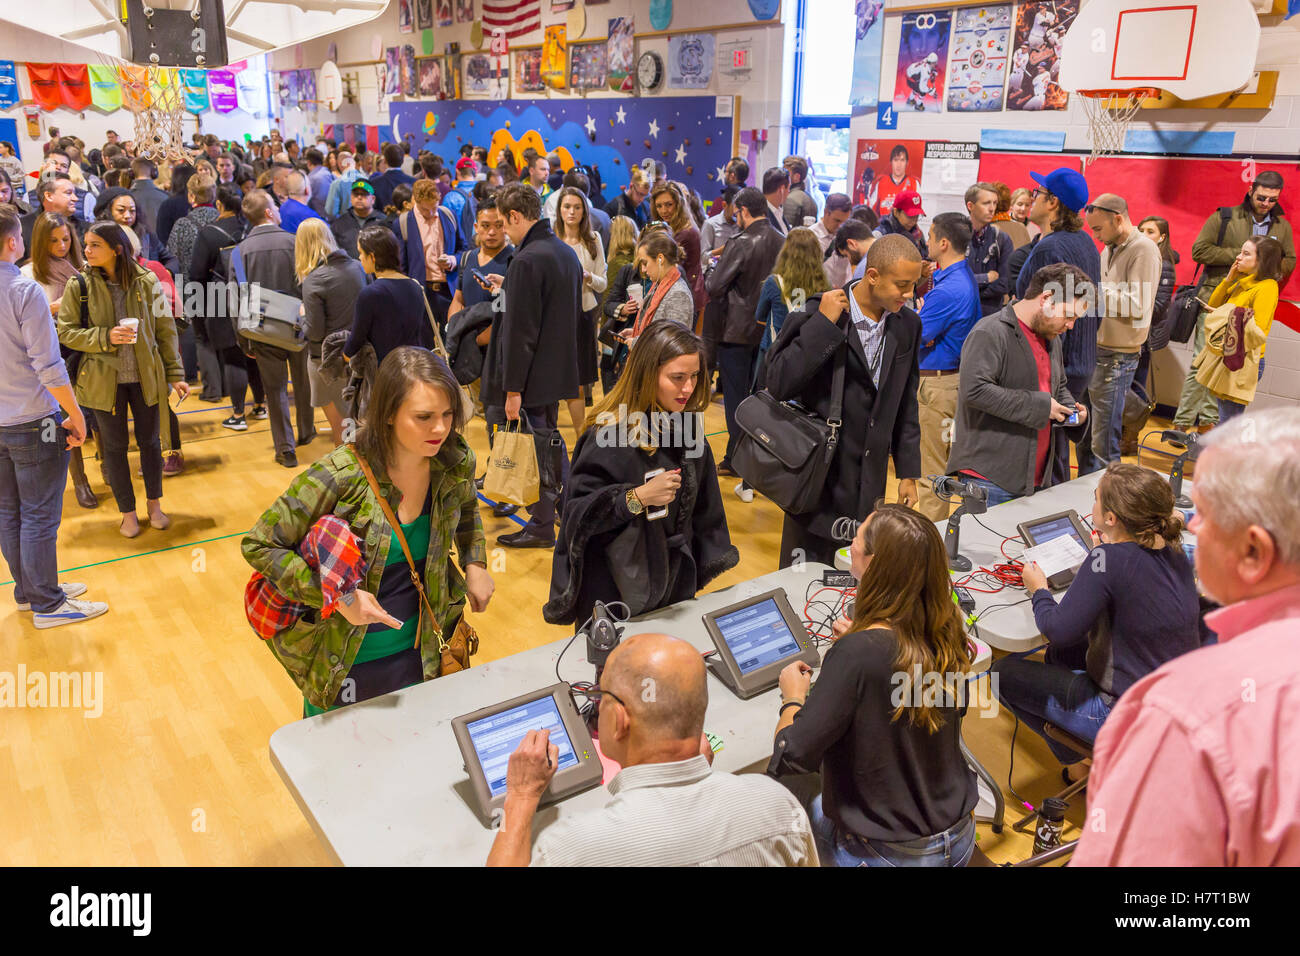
(70, 612)
(744, 494)
(70, 589)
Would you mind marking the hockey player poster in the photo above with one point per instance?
(883, 168)
(922, 61)
(1036, 60)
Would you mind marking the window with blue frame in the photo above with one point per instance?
(823, 75)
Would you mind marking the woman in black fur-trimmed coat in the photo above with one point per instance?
(609, 548)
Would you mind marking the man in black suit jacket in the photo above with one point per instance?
(54, 194)
(534, 347)
(880, 338)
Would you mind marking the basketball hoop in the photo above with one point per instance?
(1110, 112)
(156, 97)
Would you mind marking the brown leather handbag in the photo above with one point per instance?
(455, 651)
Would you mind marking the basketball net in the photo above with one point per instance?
(1110, 113)
(155, 96)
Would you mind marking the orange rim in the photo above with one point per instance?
(1139, 92)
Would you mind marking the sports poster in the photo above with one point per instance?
(883, 168)
(555, 57)
(622, 57)
(464, 11)
(528, 71)
(392, 71)
(922, 61)
(587, 66)
(410, 80)
(430, 70)
(1040, 29)
(690, 61)
(405, 18)
(867, 51)
(443, 12)
(424, 14)
(981, 39)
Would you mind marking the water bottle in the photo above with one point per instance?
(1051, 820)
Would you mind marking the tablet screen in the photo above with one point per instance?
(496, 738)
(757, 635)
(1054, 529)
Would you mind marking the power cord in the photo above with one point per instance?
(583, 688)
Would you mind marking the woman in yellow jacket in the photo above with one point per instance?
(1252, 283)
(131, 358)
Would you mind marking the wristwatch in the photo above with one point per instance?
(634, 504)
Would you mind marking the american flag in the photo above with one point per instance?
(516, 17)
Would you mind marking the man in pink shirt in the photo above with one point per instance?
(1199, 763)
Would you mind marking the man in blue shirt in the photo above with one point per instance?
(990, 248)
(319, 178)
(460, 198)
(948, 313)
(33, 444)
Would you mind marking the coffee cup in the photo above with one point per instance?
(635, 293)
(133, 325)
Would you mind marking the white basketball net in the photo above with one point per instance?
(1109, 116)
(155, 96)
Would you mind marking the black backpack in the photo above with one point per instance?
(72, 357)
(1185, 307)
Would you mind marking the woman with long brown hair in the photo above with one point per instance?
(643, 450)
(573, 224)
(1131, 607)
(56, 258)
(336, 600)
(881, 725)
(670, 206)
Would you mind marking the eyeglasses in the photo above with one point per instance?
(1091, 206)
(1267, 200)
(1038, 192)
(597, 694)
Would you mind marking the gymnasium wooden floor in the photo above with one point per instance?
(176, 770)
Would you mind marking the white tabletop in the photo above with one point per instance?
(382, 782)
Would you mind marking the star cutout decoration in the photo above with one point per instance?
(590, 126)
(722, 174)
(681, 155)
(654, 128)
(622, 116)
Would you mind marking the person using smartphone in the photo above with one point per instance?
(643, 521)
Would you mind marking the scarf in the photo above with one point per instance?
(666, 282)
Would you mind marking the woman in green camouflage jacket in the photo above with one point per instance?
(361, 643)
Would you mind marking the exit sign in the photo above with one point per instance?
(740, 59)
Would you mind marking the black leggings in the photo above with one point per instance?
(113, 440)
(240, 373)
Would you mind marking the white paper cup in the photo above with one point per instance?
(635, 292)
(133, 325)
(809, 220)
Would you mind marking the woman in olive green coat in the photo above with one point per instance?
(124, 371)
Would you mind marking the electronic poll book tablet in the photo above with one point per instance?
(1054, 526)
(489, 736)
(755, 639)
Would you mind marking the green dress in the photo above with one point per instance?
(384, 641)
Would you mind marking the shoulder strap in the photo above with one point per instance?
(438, 347)
(81, 296)
(401, 540)
(834, 420)
(237, 263)
(401, 224)
(1225, 216)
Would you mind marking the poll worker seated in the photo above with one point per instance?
(1132, 606)
(879, 724)
(670, 808)
(1197, 764)
(1012, 391)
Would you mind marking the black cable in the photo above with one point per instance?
(1004, 537)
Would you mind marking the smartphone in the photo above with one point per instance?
(653, 514)
(1073, 419)
(481, 279)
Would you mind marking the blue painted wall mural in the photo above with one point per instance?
(611, 134)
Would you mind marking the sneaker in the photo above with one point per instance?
(236, 422)
(70, 589)
(70, 612)
(259, 412)
(173, 463)
(744, 493)
(287, 458)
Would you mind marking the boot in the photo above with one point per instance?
(80, 485)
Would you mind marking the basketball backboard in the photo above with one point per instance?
(1192, 48)
(252, 26)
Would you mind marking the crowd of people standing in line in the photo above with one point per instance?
(1018, 331)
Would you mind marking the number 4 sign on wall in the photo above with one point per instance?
(886, 118)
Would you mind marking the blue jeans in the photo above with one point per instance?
(33, 473)
(836, 847)
(1108, 388)
(736, 369)
(1052, 692)
(1060, 464)
(1228, 409)
(997, 494)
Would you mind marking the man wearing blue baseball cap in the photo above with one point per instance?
(1055, 211)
